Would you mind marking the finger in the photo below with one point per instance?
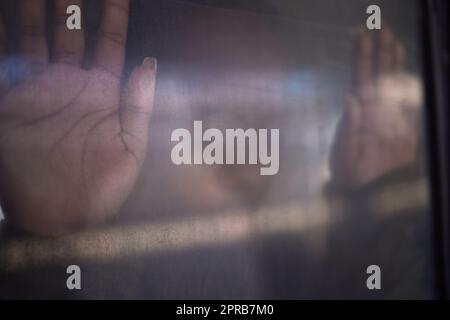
(363, 72)
(2, 39)
(347, 141)
(385, 51)
(3, 70)
(110, 48)
(32, 42)
(137, 106)
(399, 57)
(68, 44)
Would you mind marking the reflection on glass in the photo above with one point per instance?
(351, 190)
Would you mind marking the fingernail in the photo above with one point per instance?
(150, 62)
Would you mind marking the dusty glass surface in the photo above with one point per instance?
(351, 190)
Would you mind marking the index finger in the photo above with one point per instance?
(363, 70)
(112, 36)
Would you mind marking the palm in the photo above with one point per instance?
(71, 145)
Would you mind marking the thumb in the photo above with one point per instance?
(352, 115)
(137, 105)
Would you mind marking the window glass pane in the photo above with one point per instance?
(335, 116)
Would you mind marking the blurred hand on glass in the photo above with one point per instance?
(378, 132)
(71, 141)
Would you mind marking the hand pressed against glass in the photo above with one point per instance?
(378, 132)
(71, 141)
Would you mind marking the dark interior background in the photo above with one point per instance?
(253, 64)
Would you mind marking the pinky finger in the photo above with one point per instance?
(2, 38)
(399, 57)
(3, 69)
